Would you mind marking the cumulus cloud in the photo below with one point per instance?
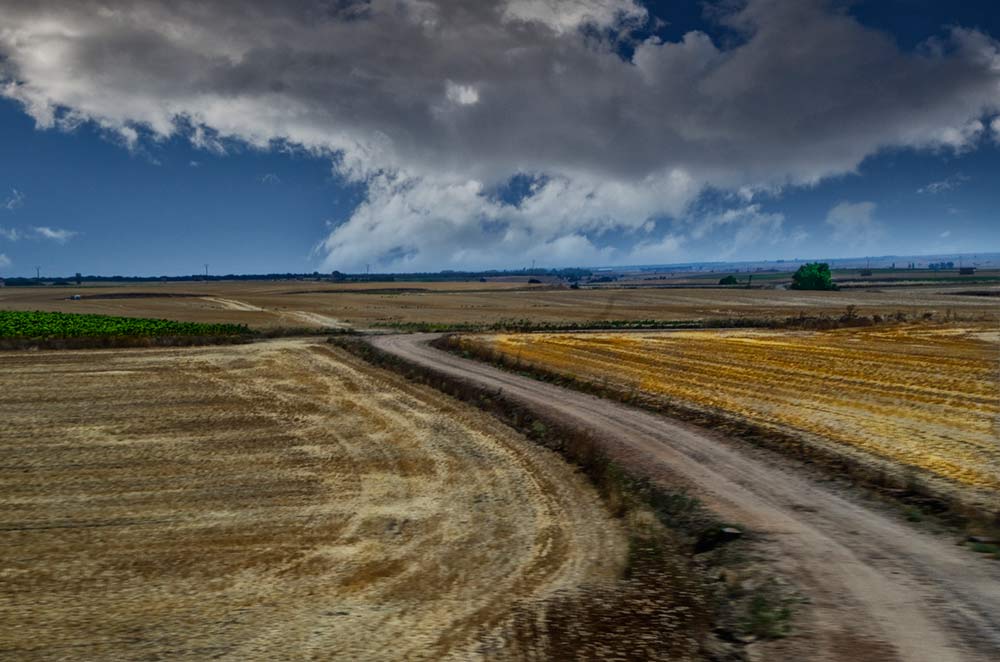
(434, 105)
(57, 235)
(944, 185)
(854, 225)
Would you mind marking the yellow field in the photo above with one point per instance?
(923, 396)
(280, 500)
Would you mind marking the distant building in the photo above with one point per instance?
(3, 283)
(967, 271)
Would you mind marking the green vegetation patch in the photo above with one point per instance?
(36, 324)
(813, 276)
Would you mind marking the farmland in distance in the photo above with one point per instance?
(267, 305)
(918, 397)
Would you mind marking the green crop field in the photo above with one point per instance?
(34, 324)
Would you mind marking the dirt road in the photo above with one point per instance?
(879, 589)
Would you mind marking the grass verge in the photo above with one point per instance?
(849, 318)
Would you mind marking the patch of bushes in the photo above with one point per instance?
(813, 276)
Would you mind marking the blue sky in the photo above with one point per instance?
(168, 208)
(129, 167)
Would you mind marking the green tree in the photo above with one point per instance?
(729, 280)
(813, 276)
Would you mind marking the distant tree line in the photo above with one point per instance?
(572, 275)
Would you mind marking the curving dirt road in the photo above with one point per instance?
(879, 589)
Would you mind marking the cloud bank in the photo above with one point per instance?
(435, 105)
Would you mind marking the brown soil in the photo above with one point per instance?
(267, 304)
(879, 589)
(271, 501)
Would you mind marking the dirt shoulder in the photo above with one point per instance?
(879, 589)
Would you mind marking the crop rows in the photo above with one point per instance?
(24, 324)
(923, 397)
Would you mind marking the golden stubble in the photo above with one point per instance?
(271, 501)
(924, 396)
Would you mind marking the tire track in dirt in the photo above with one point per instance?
(879, 590)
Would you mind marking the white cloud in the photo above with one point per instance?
(13, 201)
(948, 184)
(563, 16)
(463, 95)
(54, 234)
(10, 234)
(269, 178)
(424, 223)
(4, 261)
(460, 96)
(854, 225)
(945, 234)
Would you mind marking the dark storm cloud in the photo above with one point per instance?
(436, 103)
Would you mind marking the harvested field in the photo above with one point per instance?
(271, 501)
(269, 304)
(923, 397)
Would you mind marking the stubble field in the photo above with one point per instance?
(271, 501)
(266, 305)
(920, 397)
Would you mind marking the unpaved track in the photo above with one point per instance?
(878, 588)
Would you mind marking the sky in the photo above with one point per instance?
(153, 137)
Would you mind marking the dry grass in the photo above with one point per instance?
(272, 501)
(291, 304)
(923, 397)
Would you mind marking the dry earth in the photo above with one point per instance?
(270, 501)
(918, 396)
(879, 589)
(266, 304)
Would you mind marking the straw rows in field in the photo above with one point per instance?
(921, 396)
(271, 501)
